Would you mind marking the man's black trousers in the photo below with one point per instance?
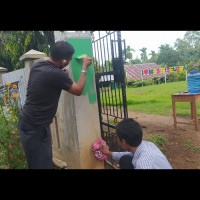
(36, 142)
(125, 162)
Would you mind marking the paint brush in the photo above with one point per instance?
(83, 56)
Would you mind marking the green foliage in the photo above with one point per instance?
(172, 77)
(158, 140)
(130, 82)
(190, 145)
(181, 76)
(154, 57)
(155, 80)
(144, 57)
(138, 83)
(135, 61)
(14, 44)
(96, 66)
(168, 55)
(11, 152)
(148, 81)
(176, 76)
(129, 51)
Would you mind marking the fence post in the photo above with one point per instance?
(2, 71)
(29, 58)
(79, 113)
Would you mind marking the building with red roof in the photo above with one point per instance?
(135, 71)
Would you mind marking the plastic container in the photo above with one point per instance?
(193, 81)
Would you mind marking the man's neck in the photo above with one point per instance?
(54, 62)
(133, 149)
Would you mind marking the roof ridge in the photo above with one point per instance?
(142, 64)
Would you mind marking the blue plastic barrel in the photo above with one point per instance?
(193, 81)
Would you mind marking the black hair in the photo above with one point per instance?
(61, 50)
(131, 131)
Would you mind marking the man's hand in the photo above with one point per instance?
(86, 62)
(77, 88)
(65, 70)
(105, 150)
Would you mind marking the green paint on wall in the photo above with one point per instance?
(83, 46)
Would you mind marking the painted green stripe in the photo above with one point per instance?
(83, 46)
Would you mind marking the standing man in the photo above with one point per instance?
(46, 81)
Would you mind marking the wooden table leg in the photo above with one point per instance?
(194, 108)
(192, 113)
(174, 112)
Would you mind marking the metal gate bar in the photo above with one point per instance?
(110, 86)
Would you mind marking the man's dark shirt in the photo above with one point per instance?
(44, 88)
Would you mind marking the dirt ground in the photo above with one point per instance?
(177, 152)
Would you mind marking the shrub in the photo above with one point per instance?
(172, 77)
(155, 80)
(138, 83)
(149, 81)
(130, 82)
(181, 76)
(12, 155)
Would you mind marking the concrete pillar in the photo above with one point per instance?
(2, 71)
(29, 58)
(84, 117)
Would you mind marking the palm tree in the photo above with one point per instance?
(129, 54)
(153, 56)
(144, 57)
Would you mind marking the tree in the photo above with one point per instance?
(13, 44)
(154, 57)
(144, 57)
(189, 47)
(193, 38)
(135, 61)
(96, 66)
(129, 54)
(168, 56)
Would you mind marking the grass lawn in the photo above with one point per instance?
(156, 99)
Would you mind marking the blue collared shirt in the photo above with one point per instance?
(146, 156)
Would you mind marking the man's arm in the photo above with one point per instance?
(77, 88)
(115, 155)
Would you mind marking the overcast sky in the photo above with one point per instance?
(150, 40)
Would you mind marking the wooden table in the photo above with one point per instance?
(186, 97)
